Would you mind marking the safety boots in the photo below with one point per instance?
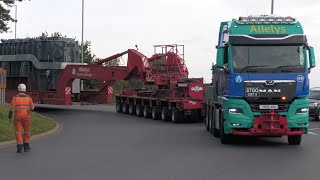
(19, 148)
(26, 147)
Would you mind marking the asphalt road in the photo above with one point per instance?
(106, 145)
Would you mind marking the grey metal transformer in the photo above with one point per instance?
(37, 61)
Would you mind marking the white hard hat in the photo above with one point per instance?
(22, 87)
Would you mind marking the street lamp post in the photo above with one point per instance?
(272, 3)
(82, 58)
(15, 22)
(82, 31)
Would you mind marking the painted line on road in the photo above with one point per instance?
(313, 129)
(312, 133)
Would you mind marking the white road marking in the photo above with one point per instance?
(312, 133)
(313, 129)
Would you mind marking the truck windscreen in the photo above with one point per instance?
(268, 59)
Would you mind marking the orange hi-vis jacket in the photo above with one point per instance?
(21, 106)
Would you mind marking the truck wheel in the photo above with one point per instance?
(155, 113)
(146, 112)
(139, 110)
(125, 108)
(317, 117)
(164, 114)
(118, 107)
(224, 138)
(175, 115)
(132, 109)
(207, 119)
(214, 130)
(294, 140)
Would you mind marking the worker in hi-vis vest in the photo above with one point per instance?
(21, 105)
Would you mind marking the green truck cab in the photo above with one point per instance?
(260, 83)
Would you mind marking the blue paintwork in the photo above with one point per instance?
(231, 88)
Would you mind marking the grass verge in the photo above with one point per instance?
(39, 124)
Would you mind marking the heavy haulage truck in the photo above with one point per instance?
(260, 82)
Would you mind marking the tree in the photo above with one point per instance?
(90, 58)
(5, 17)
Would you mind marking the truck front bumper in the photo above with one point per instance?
(270, 124)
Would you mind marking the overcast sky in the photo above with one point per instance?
(116, 25)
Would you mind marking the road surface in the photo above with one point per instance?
(106, 145)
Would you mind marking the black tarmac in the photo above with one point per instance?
(98, 143)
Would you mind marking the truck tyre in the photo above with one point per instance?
(119, 107)
(214, 130)
(155, 113)
(224, 138)
(139, 111)
(125, 108)
(294, 140)
(317, 118)
(132, 109)
(175, 115)
(146, 112)
(195, 116)
(164, 114)
(207, 118)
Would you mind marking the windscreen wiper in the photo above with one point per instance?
(279, 67)
(248, 67)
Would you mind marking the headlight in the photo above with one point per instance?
(235, 111)
(313, 104)
(302, 111)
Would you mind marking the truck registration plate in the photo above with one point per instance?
(252, 92)
(268, 106)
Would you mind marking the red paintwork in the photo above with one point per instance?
(196, 90)
(168, 71)
(191, 104)
(270, 124)
(166, 68)
(100, 62)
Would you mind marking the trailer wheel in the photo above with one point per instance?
(195, 116)
(139, 111)
(164, 114)
(317, 117)
(175, 115)
(224, 138)
(146, 112)
(125, 108)
(294, 140)
(119, 107)
(156, 114)
(132, 109)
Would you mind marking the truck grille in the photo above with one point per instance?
(281, 108)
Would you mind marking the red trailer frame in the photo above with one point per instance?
(165, 69)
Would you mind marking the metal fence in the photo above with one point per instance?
(3, 78)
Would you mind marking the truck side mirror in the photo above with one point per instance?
(222, 69)
(220, 56)
(312, 60)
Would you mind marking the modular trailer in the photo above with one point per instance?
(177, 98)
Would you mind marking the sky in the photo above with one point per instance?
(114, 26)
